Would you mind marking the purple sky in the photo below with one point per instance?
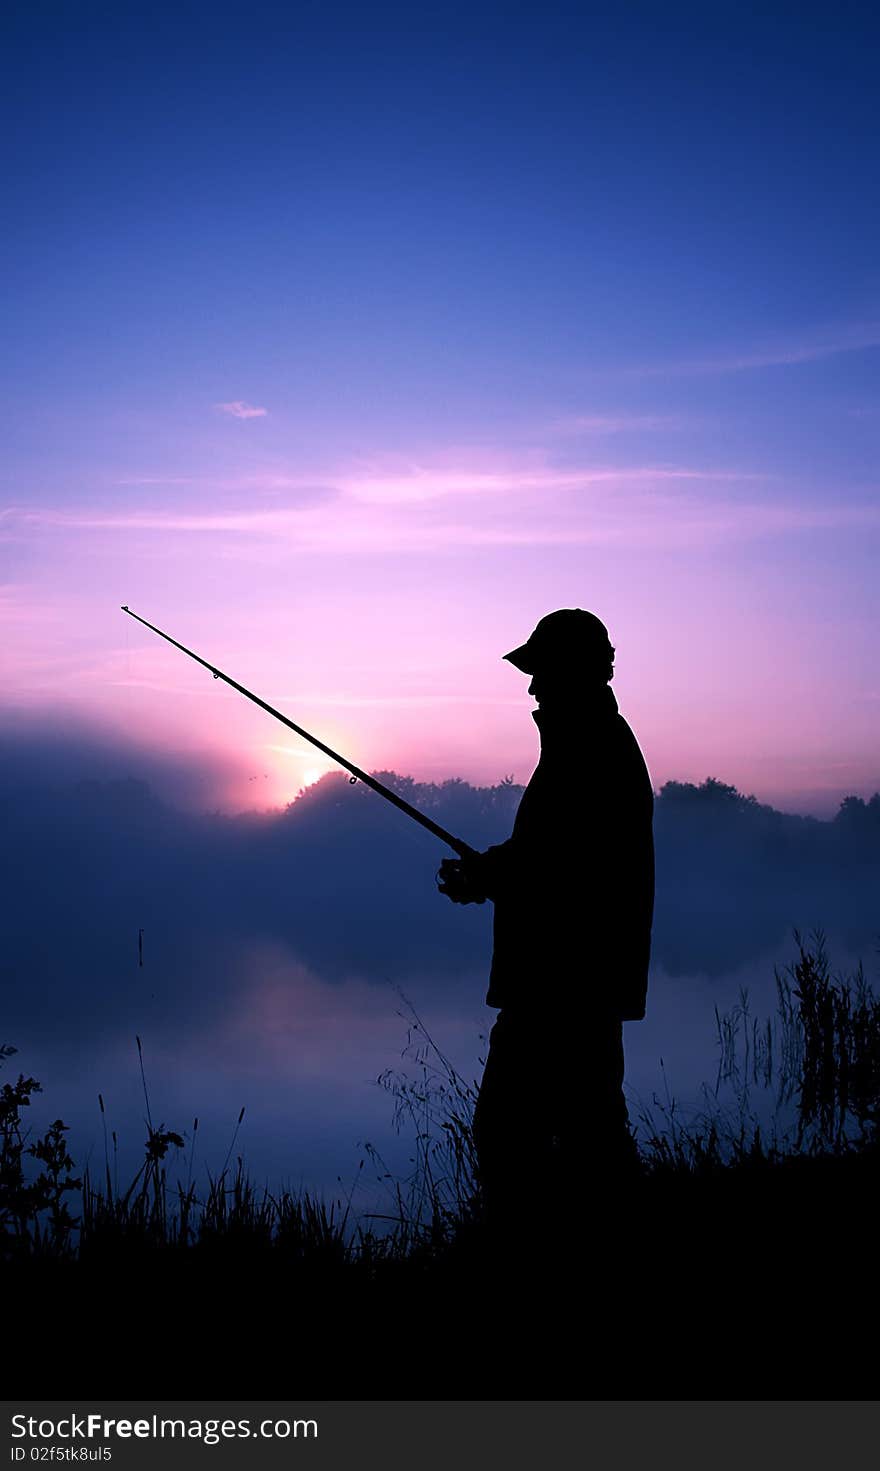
(344, 351)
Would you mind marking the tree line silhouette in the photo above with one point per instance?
(347, 885)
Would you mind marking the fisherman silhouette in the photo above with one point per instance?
(573, 890)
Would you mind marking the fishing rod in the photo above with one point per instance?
(462, 849)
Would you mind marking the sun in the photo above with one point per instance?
(311, 775)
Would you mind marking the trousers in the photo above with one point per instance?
(551, 1121)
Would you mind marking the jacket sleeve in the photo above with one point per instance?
(493, 869)
(521, 864)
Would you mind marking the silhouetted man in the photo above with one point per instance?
(573, 889)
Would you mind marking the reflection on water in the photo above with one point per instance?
(303, 1057)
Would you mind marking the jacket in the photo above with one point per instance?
(573, 886)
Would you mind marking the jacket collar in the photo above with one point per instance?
(586, 710)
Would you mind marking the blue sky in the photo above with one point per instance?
(319, 314)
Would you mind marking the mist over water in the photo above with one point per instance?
(282, 952)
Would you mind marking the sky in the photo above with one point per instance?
(344, 342)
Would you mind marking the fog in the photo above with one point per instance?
(282, 952)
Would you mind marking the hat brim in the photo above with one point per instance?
(521, 658)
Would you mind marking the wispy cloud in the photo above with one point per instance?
(238, 409)
(600, 424)
(629, 512)
(420, 483)
(375, 484)
(822, 343)
(157, 480)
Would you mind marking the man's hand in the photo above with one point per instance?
(458, 880)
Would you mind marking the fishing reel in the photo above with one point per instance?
(452, 881)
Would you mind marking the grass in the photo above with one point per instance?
(742, 1258)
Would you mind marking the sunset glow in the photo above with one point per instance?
(351, 435)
